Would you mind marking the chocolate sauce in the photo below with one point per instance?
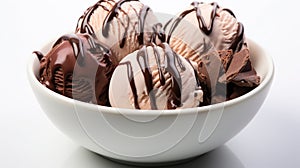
(76, 45)
(113, 13)
(67, 68)
(142, 19)
(38, 54)
(132, 84)
(158, 32)
(160, 68)
(171, 59)
(143, 61)
(85, 27)
(229, 11)
(207, 29)
(203, 26)
(239, 40)
(174, 100)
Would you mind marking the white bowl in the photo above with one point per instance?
(153, 136)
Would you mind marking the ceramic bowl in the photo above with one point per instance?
(153, 136)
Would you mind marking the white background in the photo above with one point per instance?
(29, 140)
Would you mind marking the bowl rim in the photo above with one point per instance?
(32, 60)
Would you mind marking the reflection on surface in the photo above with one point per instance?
(221, 157)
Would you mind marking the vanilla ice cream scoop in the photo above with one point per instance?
(206, 23)
(155, 77)
(122, 25)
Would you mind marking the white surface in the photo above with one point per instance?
(29, 139)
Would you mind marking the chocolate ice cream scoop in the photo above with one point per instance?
(78, 66)
(122, 25)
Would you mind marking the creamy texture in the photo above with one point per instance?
(211, 37)
(78, 67)
(155, 77)
(122, 25)
(200, 57)
(206, 23)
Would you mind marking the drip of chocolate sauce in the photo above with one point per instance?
(229, 11)
(142, 19)
(39, 55)
(160, 68)
(132, 84)
(206, 29)
(113, 13)
(170, 58)
(202, 25)
(142, 58)
(85, 26)
(239, 40)
(175, 99)
(158, 32)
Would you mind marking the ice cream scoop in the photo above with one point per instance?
(122, 25)
(206, 23)
(79, 67)
(155, 77)
(211, 36)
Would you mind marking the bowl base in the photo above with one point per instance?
(151, 164)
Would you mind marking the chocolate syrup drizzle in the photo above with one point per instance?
(113, 13)
(159, 33)
(206, 29)
(239, 40)
(132, 84)
(175, 99)
(77, 46)
(142, 58)
(169, 66)
(142, 19)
